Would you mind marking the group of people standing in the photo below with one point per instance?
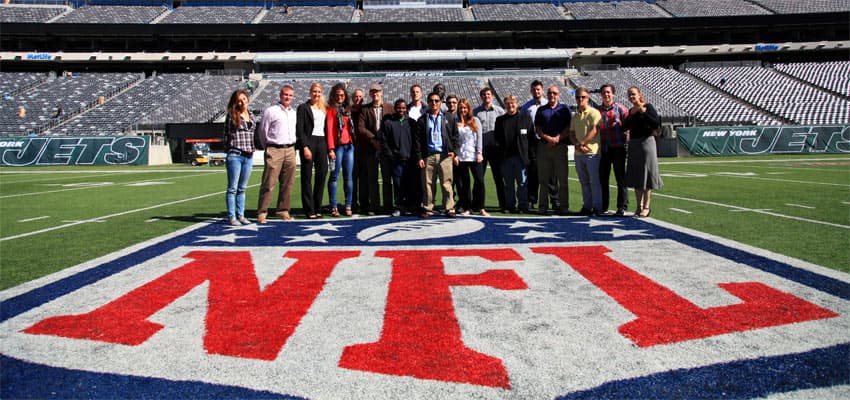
(414, 144)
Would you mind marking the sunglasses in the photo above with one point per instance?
(580, 97)
(433, 100)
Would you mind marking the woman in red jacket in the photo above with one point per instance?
(340, 137)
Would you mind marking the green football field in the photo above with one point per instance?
(52, 218)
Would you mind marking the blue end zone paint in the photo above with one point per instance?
(23, 380)
(735, 380)
(746, 378)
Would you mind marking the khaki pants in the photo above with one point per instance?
(437, 166)
(280, 168)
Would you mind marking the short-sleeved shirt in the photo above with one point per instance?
(582, 123)
(552, 120)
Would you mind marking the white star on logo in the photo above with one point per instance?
(324, 227)
(592, 223)
(230, 238)
(532, 234)
(315, 237)
(524, 224)
(625, 232)
(251, 227)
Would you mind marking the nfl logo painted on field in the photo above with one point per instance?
(382, 308)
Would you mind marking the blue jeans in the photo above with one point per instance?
(587, 168)
(345, 160)
(515, 176)
(238, 173)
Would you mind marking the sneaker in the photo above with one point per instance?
(244, 221)
(234, 222)
(396, 213)
(465, 213)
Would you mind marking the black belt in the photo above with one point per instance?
(279, 146)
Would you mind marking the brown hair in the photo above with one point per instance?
(468, 119)
(232, 112)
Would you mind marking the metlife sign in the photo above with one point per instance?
(753, 140)
(38, 151)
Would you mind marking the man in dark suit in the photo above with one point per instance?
(436, 140)
(367, 153)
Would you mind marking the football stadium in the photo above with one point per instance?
(134, 265)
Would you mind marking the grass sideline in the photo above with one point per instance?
(52, 218)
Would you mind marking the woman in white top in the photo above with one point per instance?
(468, 158)
(310, 131)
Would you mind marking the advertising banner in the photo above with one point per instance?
(32, 151)
(750, 140)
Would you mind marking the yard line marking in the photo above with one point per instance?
(758, 211)
(152, 220)
(681, 210)
(759, 178)
(751, 209)
(34, 219)
(96, 186)
(846, 202)
(105, 217)
(799, 205)
(660, 162)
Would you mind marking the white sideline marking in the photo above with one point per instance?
(105, 217)
(799, 205)
(34, 219)
(681, 211)
(660, 162)
(677, 174)
(108, 184)
(776, 173)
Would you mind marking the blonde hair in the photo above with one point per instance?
(470, 120)
(322, 104)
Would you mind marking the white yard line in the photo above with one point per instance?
(757, 211)
(97, 186)
(660, 162)
(34, 219)
(680, 210)
(800, 205)
(102, 218)
(763, 179)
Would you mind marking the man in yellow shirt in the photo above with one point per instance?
(586, 141)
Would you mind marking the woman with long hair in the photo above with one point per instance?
(340, 142)
(468, 159)
(312, 145)
(239, 128)
(642, 167)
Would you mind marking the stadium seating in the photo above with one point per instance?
(613, 10)
(438, 14)
(780, 94)
(710, 8)
(514, 12)
(308, 15)
(622, 80)
(17, 13)
(120, 114)
(212, 15)
(503, 86)
(803, 7)
(13, 82)
(112, 15)
(202, 101)
(707, 105)
(834, 76)
(399, 87)
(75, 93)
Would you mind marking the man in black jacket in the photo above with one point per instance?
(396, 137)
(511, 133)
(436, 140)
